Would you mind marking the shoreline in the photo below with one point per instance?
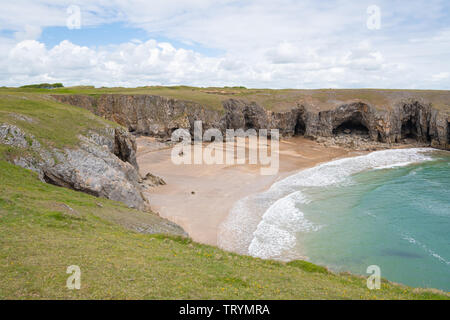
(199, 198)
(263, 226)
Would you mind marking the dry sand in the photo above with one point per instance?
(199, 197)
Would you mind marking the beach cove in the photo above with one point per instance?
(308, 210)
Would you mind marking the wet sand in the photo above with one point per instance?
(199, 197)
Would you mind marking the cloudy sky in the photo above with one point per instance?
(270, 44)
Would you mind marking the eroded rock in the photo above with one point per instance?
(150, 180)
(159, 116)
(104, 164)
(14, 136)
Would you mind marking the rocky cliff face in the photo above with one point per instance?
(159, 116)
(146, 114)
(104, 164)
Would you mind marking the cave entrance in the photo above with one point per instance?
(448, 133)
(409, 130)
(300, 127)
(352, 126)
(249, 122)
(379, 137)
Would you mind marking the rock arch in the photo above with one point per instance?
(351, 119)
(414, 121)
(409, 129)
(354, 126)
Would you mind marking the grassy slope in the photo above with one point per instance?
(40, 236)
(277, 100)
(54, 124)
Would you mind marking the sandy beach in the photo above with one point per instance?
(199, 197)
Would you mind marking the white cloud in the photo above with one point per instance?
(263, 43)
(153, 62)
(441, 76)
(28, 32)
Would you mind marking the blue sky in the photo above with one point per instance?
(277, 44)
(112, 34)
(91, 36)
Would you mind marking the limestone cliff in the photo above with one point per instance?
(414, 119)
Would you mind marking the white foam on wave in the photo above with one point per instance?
(275, 234)
(396, 165)
(424, 247)
(338, 171)
(236, 232)
(265, 225)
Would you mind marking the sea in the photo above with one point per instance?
(388, 208)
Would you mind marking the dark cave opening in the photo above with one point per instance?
(300, 127)
(448, 133)
(352, 126)
(249, 122)
(409, 130)
(379, 137)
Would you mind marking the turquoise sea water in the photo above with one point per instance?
(396, 218)
(388, 208)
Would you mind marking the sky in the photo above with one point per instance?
(258, 44)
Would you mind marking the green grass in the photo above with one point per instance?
(41, 237)
(276, 100)
(44, 86)
(308, 266)
(52, 124)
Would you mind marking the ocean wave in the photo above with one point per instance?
(338, 171)
(265, 225)
(275, 233)
(425, 248)
(396, 165)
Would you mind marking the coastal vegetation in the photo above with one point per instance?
(43, 86)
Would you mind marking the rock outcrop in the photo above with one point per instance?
(150, 180)
(407, 119)
(146, 114)
(103, 164)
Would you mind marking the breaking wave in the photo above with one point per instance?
(266, 225)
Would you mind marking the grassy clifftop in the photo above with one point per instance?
(276, 100)
(51, 123)
(44, 229)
